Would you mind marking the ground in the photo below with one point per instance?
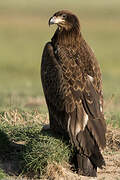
(112, 158)
(21, 137)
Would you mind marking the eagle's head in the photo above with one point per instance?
(65, 20)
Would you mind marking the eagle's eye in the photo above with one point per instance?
(64, 15)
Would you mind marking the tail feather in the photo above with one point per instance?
(89, 147)
(85, 167)
(88, 155)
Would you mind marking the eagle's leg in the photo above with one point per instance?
(85, 167)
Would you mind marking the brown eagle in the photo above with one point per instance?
(71, 80)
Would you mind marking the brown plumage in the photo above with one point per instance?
(71, 80)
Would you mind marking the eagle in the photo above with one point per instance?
(72, 85)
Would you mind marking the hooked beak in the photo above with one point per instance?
(55, 20)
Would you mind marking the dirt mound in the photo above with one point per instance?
(110, 172)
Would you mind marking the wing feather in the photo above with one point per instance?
(84, 90)
(56, 90)
(67, 86)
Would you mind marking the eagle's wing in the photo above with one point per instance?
(87, 112)
(57, 91)
(68, 87)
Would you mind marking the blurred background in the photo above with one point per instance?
(24, 31)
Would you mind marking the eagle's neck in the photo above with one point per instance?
(67, 37)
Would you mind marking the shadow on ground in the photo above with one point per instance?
(10, 155)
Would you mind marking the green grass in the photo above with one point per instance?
(39, 148)
(45, 149)
(2, 174)
(23, 33)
